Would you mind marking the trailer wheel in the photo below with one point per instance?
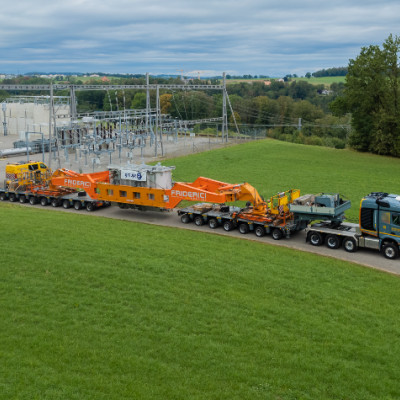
(12, 197)
(66, 204)
(333, 241)
(350, 245)
(22, 199)
(32, 200)
(243, 228)
(213, 223)
(316, 238)
(185, 218)
(3, 196)
(228, 225)
(198, 220)
(259, 231)
(43, 201)
(77, 205)
(55, 202)
(277, 234)
(90, 206)
(390, 251)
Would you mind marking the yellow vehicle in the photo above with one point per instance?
(27, 173)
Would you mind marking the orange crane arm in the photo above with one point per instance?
(87, 182)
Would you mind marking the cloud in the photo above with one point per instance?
(257, 36)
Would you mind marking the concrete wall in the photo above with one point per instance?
(30, 117)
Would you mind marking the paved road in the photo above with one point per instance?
(364, 257)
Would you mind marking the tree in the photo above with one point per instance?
(372, 95)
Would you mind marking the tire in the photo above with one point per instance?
(198, 220)
(390, 251)
(32, 200)
(43, 201)
(332, 241)
(259, 231)
(228, 226)
(66, 204)
(350, 245)
(277, 234)
(243, 228)
(3, 196)
(77, 205)
(185, 218)
(315, 238)
(22, 199)
(12, 197)
(90, 206)
(54, 202)
(213, 223)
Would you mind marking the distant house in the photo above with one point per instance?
(105, 79)
(267, 83)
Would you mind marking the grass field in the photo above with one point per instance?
(100, 309)
(274, 166)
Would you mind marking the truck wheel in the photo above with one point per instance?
(316, 238)
(32, 200)
(12, 197)
(185, 218)
(55, 202)
(213, 223)
(332, 241)
(390, 251)
(66, 204)
(277, 234)
(77, 205)
(350, 245)
(228, 226)
(198, 220)
(244, 228)
(3, 196)
(22, 199)
(43, 201)
(259, 231)
(90, 206)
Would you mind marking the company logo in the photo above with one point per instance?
(191, 195)
(75, 183)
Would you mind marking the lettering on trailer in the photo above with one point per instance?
(192, 195)
(133, 175)
(75, 183)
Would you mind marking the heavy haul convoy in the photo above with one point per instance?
(147, 187)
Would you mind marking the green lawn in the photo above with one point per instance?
(273, 166)
(93, 308)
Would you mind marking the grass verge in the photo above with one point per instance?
(100, 309)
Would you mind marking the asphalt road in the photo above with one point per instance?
(364, 257)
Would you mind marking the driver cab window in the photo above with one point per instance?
(396, 219)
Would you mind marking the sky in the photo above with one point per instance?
(203, 37)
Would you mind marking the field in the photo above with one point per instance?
(274, 166)
(100, 309)
(326, 80)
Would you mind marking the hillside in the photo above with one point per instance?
(273, 166)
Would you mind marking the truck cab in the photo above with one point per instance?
(25, 173)
(380, 220)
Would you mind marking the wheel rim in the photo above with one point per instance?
(314, 239)
(349, 245)
(227, 226)
(259, 231)
(332, 242)
(389, 251)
